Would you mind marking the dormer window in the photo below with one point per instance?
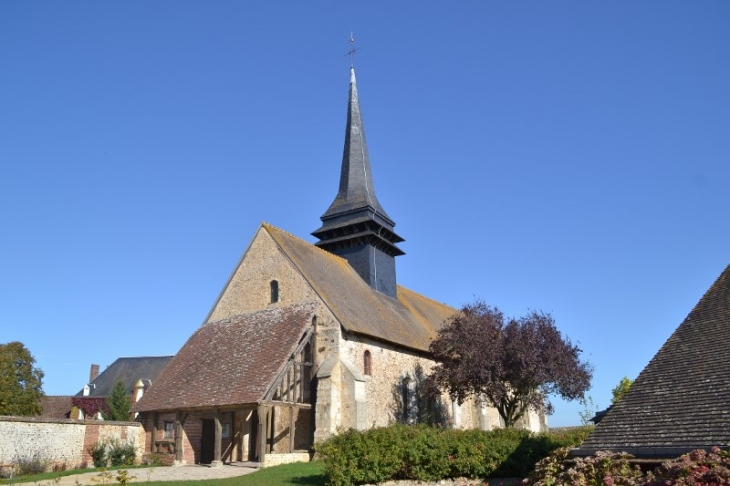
(274, 291)
(367, 364)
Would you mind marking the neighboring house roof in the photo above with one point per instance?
(129, 371)
(231, 361)
(56, 406)
(681, 401)
(411, 320)
(600, 415)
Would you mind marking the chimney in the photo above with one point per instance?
(94, 372)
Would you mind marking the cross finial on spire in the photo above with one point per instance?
(352, 50)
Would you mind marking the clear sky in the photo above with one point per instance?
(566, 156)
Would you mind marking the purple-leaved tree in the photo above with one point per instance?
(513, 365)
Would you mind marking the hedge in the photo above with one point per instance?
(429, 454)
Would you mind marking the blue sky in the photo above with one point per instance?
(566, 156)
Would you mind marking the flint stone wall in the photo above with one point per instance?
(62, 442)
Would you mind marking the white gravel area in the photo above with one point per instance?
(143, 475)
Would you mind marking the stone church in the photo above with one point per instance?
(306, 340)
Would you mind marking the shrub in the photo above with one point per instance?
(112, 451)
(97, 451)
(428, 453)
(119, 453)
(605, 468)
(34, 463)
(696, 468)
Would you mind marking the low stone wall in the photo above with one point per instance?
(62, 443)
(277, 459)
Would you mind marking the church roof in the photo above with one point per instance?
(229, 362)
(128, 371)
(411, 320)
(681, 400)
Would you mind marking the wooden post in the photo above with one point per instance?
(179, 421)
(155, 418)
(296, 385)
(291, 429)
(218, 433)
(263, 413)
(270, 425)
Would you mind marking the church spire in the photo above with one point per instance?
(356, 226)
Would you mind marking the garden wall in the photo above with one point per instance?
(62, 443)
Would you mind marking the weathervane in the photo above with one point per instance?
(352, 50)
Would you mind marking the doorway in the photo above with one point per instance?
(207, 441)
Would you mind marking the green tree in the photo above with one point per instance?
(21, 383)
(621, 390)
(118, 404)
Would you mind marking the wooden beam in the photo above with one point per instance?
(291, 430)
(218, 433)
(297, 375)
(179, 421)
(270, 428)
(155, 419)
(262, 411)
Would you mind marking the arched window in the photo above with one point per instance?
(274, 291)
(367, 364)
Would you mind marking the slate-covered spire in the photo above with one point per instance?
(356, 226)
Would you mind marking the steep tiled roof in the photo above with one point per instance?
(56, 406)
(127, 370)
(229, 362)
(681, 400)
(412, 320)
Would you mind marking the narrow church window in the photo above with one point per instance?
(367, 364)
(274, 291)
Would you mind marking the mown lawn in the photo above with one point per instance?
(302, 473)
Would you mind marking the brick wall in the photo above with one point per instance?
(62, 442)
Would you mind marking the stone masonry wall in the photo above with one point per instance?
(248, 289)
(249, 286)
(384, 389)
(62, 442)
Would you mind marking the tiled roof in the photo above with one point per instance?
(127, 370)
(56, 406)
(681, 400)
(412, 320)
(229, 362)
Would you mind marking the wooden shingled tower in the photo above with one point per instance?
(681, 400)
(356, 227)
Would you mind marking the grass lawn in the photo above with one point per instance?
(301, 473)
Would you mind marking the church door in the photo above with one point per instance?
(207, 441)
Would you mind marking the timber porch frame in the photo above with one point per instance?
(291, 389)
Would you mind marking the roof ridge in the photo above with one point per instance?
(285, 232)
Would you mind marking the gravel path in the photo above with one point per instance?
(142, 475)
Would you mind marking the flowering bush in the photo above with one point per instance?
(698, 468)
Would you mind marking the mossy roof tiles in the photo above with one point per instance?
(411, 320)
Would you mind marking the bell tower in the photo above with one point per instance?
(356, 227)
